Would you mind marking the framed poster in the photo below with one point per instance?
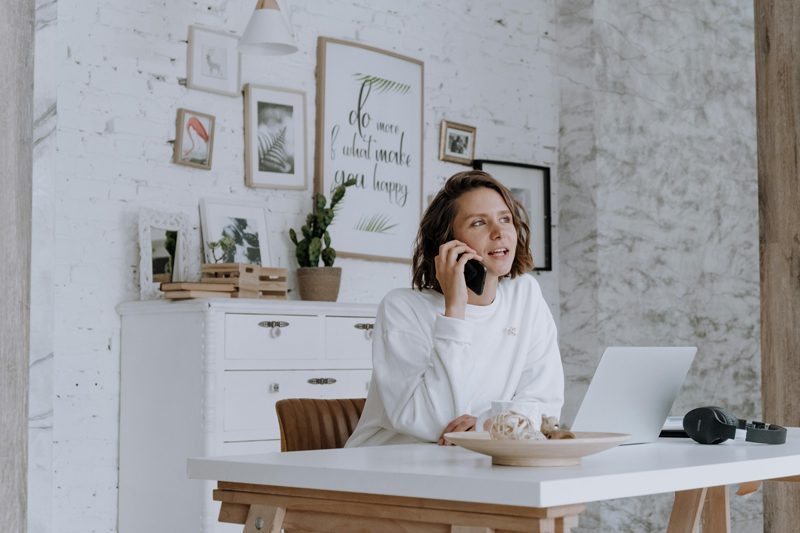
(275, 137)
(369, 127)
(213, 62)
(530, 185)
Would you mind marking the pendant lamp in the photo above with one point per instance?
(268, 32)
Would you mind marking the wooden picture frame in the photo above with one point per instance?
(194, 139)
(163, 250)
(275, 137)
(234, 232)
(457, 142)
(213, 61)
(370, 127)
(530, 185)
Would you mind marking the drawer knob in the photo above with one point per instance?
(274, 387)
(322, 381)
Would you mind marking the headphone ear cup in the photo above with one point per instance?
(709, 425)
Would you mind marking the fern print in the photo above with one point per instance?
(272, 156)
(377, 223)
(383, 85)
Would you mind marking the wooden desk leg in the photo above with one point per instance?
(686, 510)
(264, 519)
(716, 512)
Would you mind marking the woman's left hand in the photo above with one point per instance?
(462, 423)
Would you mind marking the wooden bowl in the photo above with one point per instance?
(561, 452)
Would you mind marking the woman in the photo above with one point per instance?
(442, 353)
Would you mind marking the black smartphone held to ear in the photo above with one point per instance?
(475, 275)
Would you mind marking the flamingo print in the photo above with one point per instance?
(194, 124)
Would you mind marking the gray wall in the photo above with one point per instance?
(659, 222)
(16, 86)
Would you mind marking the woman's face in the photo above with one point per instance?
(484, 222)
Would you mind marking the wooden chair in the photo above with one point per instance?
(312, 424)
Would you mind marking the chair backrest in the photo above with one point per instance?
(312, 424)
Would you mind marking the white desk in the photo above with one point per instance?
(443, 478)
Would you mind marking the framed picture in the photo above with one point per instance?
(194, 139)
(213, 61)
(234, 232)
(530, 185)
(369, 127)
(457, 143)
(163, 250)
(275, 137)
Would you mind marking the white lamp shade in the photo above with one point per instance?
(267, 33)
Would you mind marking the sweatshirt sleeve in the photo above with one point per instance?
(542, 380)
(422, 381)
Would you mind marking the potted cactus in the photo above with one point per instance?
(315, 282)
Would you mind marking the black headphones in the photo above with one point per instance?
(712, 425)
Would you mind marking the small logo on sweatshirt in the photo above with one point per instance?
(510, 330)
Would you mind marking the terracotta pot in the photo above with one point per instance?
(319, 283)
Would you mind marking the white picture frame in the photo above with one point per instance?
(275, 137)
(153, 228)
(369, 126)
(244, 226)
(213, 61)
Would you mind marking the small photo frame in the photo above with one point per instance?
(194, 139)
(213, 61)
(457, 143)
(530, 186)
(163, 250)
(234, 232)
(275, 137)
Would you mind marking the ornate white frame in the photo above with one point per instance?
(151, 218)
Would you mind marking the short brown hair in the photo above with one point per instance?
(436, 227)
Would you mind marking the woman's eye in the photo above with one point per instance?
(477, 222)
(505, 219)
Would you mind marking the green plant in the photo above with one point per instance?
(315, 230)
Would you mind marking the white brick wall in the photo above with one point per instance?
(487, 64)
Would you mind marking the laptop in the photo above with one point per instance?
(633, 390)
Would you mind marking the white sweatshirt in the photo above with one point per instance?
(429, 369)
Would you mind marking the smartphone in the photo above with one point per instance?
(475, 275)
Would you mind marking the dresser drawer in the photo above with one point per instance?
(349, 337)
(250, 396)
(273, 337)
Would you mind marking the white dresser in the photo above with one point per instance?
(201, 378)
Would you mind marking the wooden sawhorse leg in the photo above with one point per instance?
(709, 505)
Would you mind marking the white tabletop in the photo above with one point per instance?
(453, 473)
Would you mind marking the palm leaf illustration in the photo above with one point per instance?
(383, 85)
(377, 223)
(272, 156)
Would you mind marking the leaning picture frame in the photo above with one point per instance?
(194, 139)
(370, 128)
(234, 232)
(457, 142)
(275, 137)
(163, 250)
(212, 63)
(530, 185)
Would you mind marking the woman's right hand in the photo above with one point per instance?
(450, 275)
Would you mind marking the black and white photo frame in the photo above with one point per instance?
(163, 250)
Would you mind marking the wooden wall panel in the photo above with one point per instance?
(777, 25)
(16, 110)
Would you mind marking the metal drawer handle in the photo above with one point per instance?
(322, 381)
(365, 326)
(273, 324)
(274, 387)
